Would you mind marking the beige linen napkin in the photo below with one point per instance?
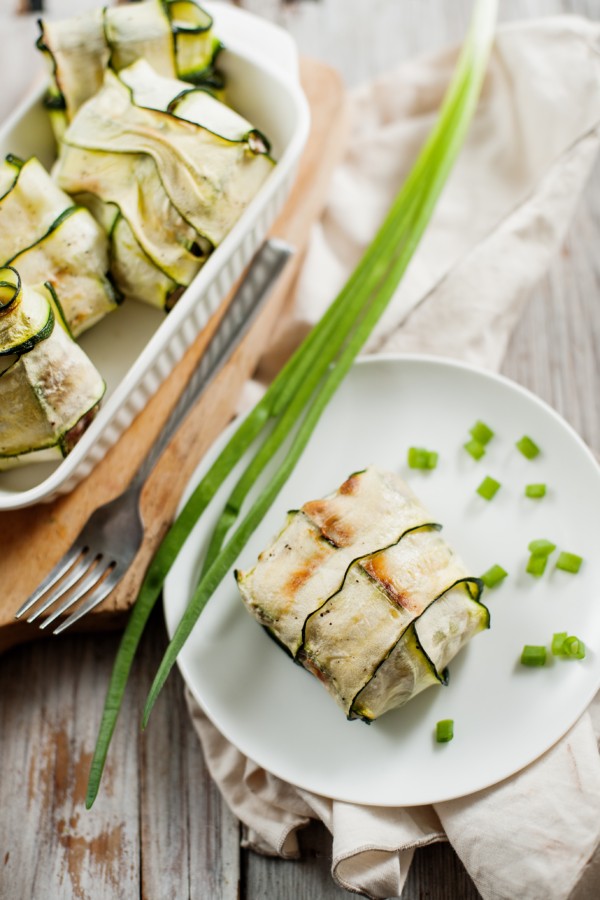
(501, 220)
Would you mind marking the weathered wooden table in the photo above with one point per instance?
(159, 829)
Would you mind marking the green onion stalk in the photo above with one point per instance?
(294, 402)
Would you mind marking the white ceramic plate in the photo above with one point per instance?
(136, 347)
(505, 715)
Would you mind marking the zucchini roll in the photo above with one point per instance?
(361, 589)
(47, 237)
(175, 37)
(49, 389)
(167, 169)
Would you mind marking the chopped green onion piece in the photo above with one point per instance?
(488, 488)
(573, 648)
(533, 655)
(420, 458)
(537, 565)
(481, 433)
(541, 547)
(432, 459)
(494, 576)
(569, 647)
(569, 562)
(535, 491)
(528, 447)
(444, 731)
(475, 448)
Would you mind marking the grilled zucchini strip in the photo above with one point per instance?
(48, 396)
(209, 180)
(176, 38)
(196, 46)
(132, 183)
(47, 238)
(363, 591)
(26, 316)
(309, 559)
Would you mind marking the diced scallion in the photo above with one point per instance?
(444, 731)
(494, 576)
(537, 565)
(528, 447)
(569, 562)
(481, 432)
(488, 488)
(533, 655)
(535, 491)
(475, 448)
(573, 648)
(567, 646)
(541, 547)
(420, 458)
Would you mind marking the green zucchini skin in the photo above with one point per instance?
(175, 36)
(401, 608)
(177, 185)
(26, 319)
(48, 396)
(48, 238)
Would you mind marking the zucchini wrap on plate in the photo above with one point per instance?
(47, 237)
(167, 169)
(361, 589)
(49, 389)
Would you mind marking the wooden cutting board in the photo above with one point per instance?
(34, 539)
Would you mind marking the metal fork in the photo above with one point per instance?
(108, 542)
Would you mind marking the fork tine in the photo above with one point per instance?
(79, 569)
(59, 569)
(93, 600)
(93, 576)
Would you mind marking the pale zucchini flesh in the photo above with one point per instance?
(309, 559)
(47, 398)
(175, 38)
(47, 238)
(209, 180)
(26, 316)
(361, 589)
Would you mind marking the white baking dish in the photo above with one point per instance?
(137, 346)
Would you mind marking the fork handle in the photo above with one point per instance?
(248, 300)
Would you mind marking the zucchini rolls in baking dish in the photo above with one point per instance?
(361, 589)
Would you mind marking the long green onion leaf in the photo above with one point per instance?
(335, 341)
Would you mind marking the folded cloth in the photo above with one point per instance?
(500, 222)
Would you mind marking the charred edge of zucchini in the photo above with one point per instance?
(70, 438)
(444, 676)
(434, 526)
(13, 286)
(15, 161)
(54, 102)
